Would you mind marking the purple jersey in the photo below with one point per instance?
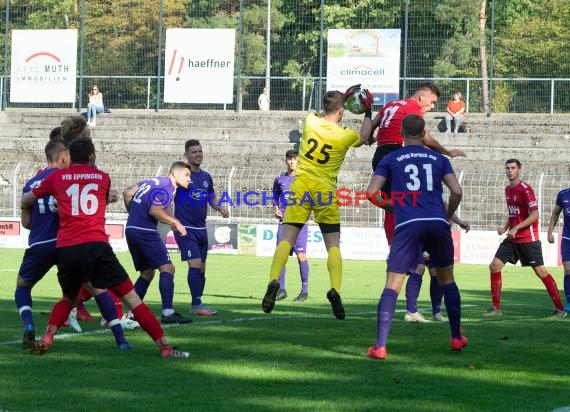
(157, 191)
(280, 186)
(563, 202)
(192, 203)
(416, 173)
(45, 219)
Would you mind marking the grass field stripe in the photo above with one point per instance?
(63, 336)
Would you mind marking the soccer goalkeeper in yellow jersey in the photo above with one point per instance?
(323, 146)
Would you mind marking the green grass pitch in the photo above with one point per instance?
(299, 357)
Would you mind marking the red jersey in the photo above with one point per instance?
(391, 116)
(520, 202)
(81, 193)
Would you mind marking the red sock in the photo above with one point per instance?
(148, 321)
(552, 289)
(59, 313)
(496, 284)
(118, 303)
(389, 226)
(84, 295)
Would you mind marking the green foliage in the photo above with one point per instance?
(458, 56)
(535, 45)
(503, 94)
(532, 37)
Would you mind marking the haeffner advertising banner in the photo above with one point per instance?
(370, 57)
(43, 66)
(199, 66)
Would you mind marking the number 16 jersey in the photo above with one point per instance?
(81, 194)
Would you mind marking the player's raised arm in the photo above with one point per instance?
(432, 143)
(367, 100)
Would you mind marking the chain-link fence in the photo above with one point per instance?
(504, 55)
(245, 191)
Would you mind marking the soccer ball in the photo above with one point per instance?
(353, 103)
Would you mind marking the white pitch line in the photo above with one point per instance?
(217, 322)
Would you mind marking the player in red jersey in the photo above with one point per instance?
(389, 136)
(83, 246)
(522, 241)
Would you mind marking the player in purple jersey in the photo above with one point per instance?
(563, 205)
(422, 224)
(191, 208)
(414, 284)
(43, 222)
(280, 189)
(148, 202)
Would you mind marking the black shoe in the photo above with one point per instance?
(281, 294)
(29, 340)
(336, 303)
(268, 301)
(174, 318)
(301, 298)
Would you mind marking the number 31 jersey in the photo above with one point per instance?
(322, 149)
(416, 175)
(81, 194)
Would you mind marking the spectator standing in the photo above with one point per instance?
(263, 100)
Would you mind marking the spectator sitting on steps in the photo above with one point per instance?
(95, 106)
(455, 112)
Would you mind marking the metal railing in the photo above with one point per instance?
(549, 95)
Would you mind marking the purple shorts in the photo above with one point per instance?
(411, 240)
(37, 261)
(300, 245)
(565, 250)
(194, 245)
(147, 249)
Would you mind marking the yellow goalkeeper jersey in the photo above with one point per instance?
(322, 149)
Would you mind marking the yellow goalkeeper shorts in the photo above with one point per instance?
(306, 196)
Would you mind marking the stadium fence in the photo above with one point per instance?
(514, 63)
(483, 202)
